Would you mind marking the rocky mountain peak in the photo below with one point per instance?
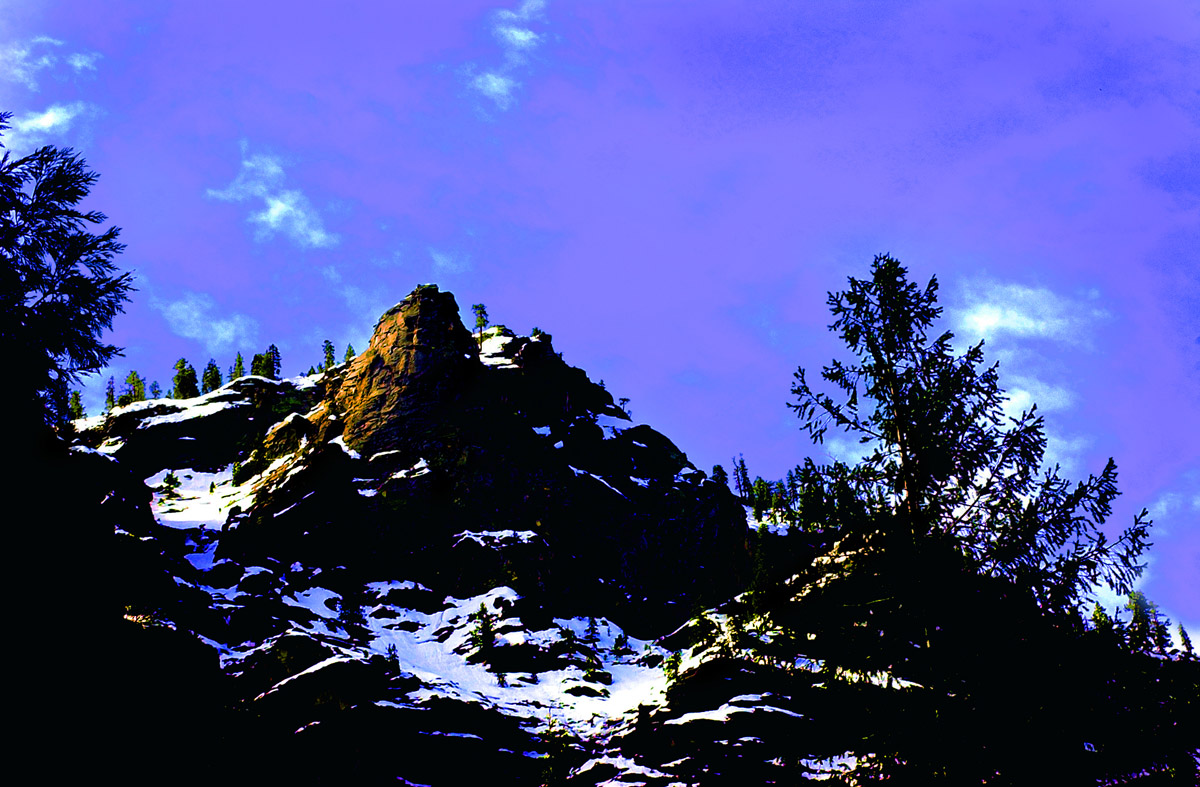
(418, 357)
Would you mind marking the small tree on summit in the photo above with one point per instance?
(349, 354)
(266, 364)
(185, 381)
(238, 369)
(211, 380)
(330, 360)
(76, 406)
(481, 320)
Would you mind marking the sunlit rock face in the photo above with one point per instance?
(418, 359)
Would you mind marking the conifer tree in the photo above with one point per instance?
(719, 475)
(327, 348)
(185, 381)
(59, 289)
(76, 407)
(110, 395)
(274, 362)
(155, 390)
(135, 390)
(349, 354)
(481, 320)
(948, 537)
(238, 369)
(211, 380)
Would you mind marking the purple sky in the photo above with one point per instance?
(670, 189)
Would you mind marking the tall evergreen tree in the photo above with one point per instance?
(185, 381)
(275, 363)
(238, 369)
(76, 406)
(155, 390)
(948, 540)
(211, 379)
(481, 320)
(349, 354)
(719, 475)
(110, 395)
(330, 359)
(59, 289)
(134, 391)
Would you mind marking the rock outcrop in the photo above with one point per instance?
(419, 358)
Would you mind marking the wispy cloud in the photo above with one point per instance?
(285, 210)
(194, 317)
(32, 130)
(364, 303)
(21, 62)
(1024, 392)
(517, 41)
(83, 62)
(996, 309)
(1014, 319)
(445, 262)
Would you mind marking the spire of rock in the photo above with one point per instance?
(418, 358)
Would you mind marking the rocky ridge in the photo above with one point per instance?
(452, 545)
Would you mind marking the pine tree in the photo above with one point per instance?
(185, 381)
(719, 475)
(59, 289)
(945, 540)
(110, 395)
(211, 380)
(481, 320)
(327, 348)
(76, 407)
(134, 391)
(1185, 643)
(155, 390)
(349, 354)
(238, 369)
(266, 364)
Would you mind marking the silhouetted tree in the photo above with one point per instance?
(76, 406)
(59, 289)
(349, 354)
(481, 320)
(211, 379)
(135, 390)
(327, 348)
(947, 541)
(238, 370)
(185, 381)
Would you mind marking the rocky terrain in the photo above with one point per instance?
(455, 560)
(449, 558)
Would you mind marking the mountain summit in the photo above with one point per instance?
(451, 545)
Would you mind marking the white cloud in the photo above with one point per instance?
(1025, 392)
(995, 309)
(33, 130)
(516, 37)
(192, 318)
(83, 62)
(285, 210)
(18, 63)
(448, 262)
(848, 452)
(21, 62)
(496, 87)
(511, 29)
(1065, 452)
